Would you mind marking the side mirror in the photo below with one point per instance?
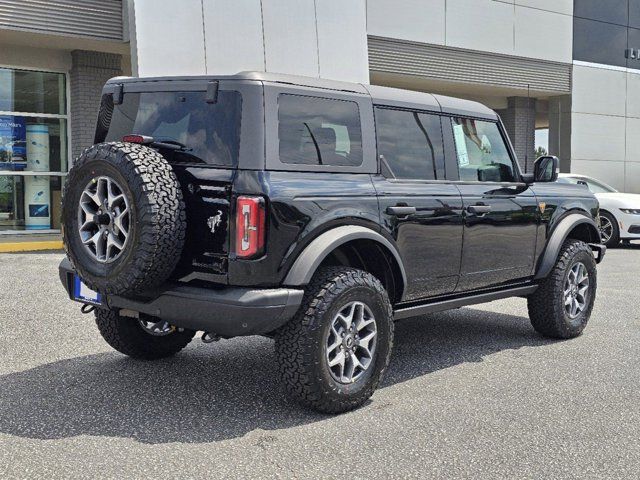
(546, 169)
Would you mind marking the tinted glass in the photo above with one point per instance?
(410, 144)
(634, 13)
(612, 11)
(319, 131)
(482, 152)
(211, 132)
(599, 42)
(32, 92)
(634, 43)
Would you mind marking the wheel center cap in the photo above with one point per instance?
(102, 219)
(349, 341)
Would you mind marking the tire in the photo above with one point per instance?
(613, 232)
(127, 336)
(156, 219)
(302, 344)
(547, 310)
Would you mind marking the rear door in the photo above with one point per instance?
(206, 135)
(418, 208)
(500, 212)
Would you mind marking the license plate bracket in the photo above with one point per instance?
(82, 293)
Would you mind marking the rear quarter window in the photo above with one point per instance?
(319, 131)
(211, 132)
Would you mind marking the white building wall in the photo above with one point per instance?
(605, 125)
(540, 29)
(318, 38)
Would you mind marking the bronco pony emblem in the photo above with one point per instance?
(214, 221)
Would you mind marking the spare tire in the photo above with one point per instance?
(124, 218)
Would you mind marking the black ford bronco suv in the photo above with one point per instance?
(317, 213)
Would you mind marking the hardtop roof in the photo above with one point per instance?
(379, 95)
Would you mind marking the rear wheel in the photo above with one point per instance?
(334, 352)
(148, 338)
(609, 230)
(562, 304)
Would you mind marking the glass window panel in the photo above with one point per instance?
(319, 131)
(32, 92)
(210, 131)
(634, 43)
(482, 153)
(599, 42)
(612, 11)
(30, 202)
(410, 144)
(33, 144)
(634, 13)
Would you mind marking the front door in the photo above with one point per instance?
(418, 208)
(500, 212)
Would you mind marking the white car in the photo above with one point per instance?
(619, 212)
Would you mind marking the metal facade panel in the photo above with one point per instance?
(86, 18)
(453, 64)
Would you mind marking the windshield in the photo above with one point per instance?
(210, 132)
(593, 185)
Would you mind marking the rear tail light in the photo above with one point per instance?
(250, 227)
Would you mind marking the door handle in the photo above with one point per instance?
(401, 211)
(479, 209)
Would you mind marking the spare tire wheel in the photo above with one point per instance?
(124, 218)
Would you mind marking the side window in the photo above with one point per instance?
(482, 153)
(409, 144)
(319, 131)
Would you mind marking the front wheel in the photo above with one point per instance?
(609, 230)
(562, 304)
(333, 353)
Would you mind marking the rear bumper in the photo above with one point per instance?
(228, 312)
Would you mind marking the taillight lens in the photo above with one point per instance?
(250, 227)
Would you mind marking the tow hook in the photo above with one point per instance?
(87, 308)
(208, 337)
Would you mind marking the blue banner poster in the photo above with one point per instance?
(13, 143)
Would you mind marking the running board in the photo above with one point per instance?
(440, 305)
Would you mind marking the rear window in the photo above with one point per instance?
(211, 132)
(319, 131)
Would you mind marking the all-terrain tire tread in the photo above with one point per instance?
(161, 217)
(293, 346)
(126, 336)
(545, 312)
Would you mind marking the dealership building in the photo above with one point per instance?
(568, 68)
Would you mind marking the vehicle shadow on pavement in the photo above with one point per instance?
(212, 393)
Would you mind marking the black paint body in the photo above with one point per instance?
(445, 249)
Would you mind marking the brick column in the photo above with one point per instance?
(89, 72)
(520, 122)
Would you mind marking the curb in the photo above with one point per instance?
(11, 247)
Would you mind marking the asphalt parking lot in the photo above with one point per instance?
(472, 393)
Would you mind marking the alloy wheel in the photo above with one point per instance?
(606, 229)
(104, 219)
(351, 343)
(576, 290)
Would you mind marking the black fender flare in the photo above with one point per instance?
(558, 236)
(312, 256)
